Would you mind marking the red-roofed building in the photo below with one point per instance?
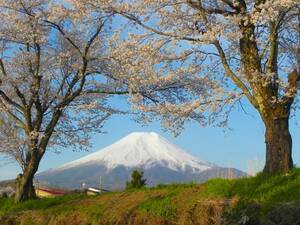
(47, 192)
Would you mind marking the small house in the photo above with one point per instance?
(95, 191)
(48, 193)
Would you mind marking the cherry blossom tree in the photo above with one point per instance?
(221, 51)
(52, 61)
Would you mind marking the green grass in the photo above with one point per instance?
(263, 189)
(165, 201)
(174, 186)
(7, 205)
(160, 206)
(164, 206)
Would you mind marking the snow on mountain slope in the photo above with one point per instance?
(161, 161)
(141, 149)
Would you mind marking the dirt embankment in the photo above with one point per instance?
(182, 206)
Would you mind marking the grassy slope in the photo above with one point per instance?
(255, 200)
(263, 189)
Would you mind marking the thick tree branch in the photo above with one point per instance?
(229, 73)
(62, 32)
(10, 101)
(198, 6)
(240, 7)
(12, 115)
(92, 39)
(291, 90)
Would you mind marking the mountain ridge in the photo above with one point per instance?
(134, 151)
(161, 161)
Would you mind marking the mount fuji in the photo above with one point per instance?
(161, 161)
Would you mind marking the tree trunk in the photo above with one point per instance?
(24, 188)
(24, 183)
(278, 146)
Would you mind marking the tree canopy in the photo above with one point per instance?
(176, 60)
(54, 81)
(221, 51)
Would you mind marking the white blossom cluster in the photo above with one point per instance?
(176, 60)
(54, 81)
(218, 50)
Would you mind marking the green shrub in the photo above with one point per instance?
(137, 180)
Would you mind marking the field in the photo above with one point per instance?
(256, 200)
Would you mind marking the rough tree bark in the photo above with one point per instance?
(24, 188)
(278, 146)
(24, 184)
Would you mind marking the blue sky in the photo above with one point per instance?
(241, 147)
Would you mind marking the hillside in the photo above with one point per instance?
(7, 187)
(161, 161)
(7, 183)
(259, 200)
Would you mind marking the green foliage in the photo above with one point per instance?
(4, 195)
(160, 206)
(137, 180)
(264, 189)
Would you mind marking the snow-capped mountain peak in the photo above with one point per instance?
(142, 149)
(160, 160)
